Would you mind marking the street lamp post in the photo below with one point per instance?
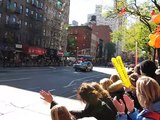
(77, 53)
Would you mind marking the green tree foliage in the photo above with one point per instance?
(137, 32)
(71, 45)
(129, 36)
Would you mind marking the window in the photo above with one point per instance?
(44, 32)
(32, 12)
(41, 5)
(25, 23)
(7, 18)
(15, 4)
(21, 9)
(31, 25)
(0, 16)
(45, 18)
(27, 11)
(36, 15)
(20, 23)
(32, 1)
(14, 20)
(37, 3)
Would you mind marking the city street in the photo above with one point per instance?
(61, 81)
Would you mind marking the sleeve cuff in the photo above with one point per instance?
(53, 104)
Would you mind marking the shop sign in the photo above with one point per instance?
(60, 53)
(18, 46)
(34, 50)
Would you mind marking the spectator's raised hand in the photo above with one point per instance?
(120, 106)
(47, 96)
(129, 103)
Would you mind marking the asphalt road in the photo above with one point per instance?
(61, 81)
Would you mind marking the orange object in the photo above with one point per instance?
(154, 39)
(155, 17)
(123, 11)
(157, 41)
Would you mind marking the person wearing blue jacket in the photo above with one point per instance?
(148, 94)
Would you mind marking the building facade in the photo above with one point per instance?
(79, 40)
(114, 21)
(28, 27)
(88, 41)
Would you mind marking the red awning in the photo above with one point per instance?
(33, 50)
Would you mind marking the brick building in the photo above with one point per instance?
(80, 40)
(88, 41)
(29, 26)
(103, 34)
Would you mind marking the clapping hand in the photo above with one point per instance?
(120, 106)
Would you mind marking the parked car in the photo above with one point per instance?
(83, 66)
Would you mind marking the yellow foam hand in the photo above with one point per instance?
(119, 66)
(125, 78)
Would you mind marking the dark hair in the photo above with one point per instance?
(148, 68)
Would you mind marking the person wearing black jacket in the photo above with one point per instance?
(94, 106)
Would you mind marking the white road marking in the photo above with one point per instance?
(51, 90)
(11, 80)
(88, 80)
(71, 83)
(73, 96)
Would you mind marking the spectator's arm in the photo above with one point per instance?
(133, 114)
(122, 117)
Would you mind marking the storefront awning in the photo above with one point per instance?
(33, 50)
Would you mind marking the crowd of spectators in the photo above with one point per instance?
(110, 99)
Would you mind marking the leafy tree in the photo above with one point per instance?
(141, 11)
(71, 44)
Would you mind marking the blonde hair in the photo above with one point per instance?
(147, 90)
(100, 89)
(60, 112)
(105, 83)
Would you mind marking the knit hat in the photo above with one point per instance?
(148, 68)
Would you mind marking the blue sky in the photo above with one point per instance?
(79, 9)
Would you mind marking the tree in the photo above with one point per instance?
(141, 11)
(71, 45)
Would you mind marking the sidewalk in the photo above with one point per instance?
(18, 104)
